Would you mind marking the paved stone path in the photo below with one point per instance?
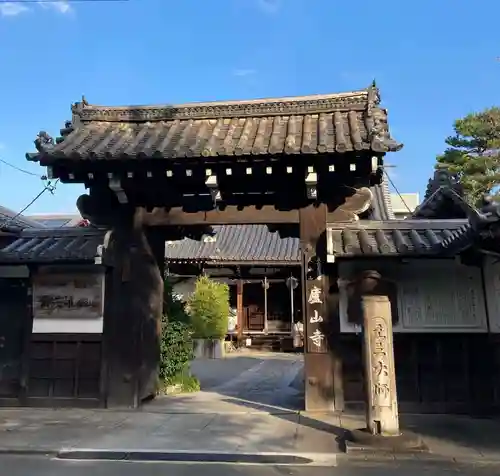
(271, 380)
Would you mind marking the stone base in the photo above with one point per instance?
(208, 348)
(363, 440)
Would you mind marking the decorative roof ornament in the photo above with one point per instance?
(66, 130)
(373, 94)
(44, 142)
(488, 214)
(443, 178)
(78, 106)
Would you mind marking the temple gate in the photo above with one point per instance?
(157, 173)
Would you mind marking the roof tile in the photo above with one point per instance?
(303, 125)
(394, 237)
(252, 243)
(56, 245)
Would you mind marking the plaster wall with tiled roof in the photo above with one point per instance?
(53, 246)
(314, 124)
(392, 238)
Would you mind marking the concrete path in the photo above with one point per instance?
(186, 423)
(252, 411)
(248, 405)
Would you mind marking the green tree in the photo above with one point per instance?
(473, 154)
(208, 308)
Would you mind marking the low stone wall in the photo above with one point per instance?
(208, 348)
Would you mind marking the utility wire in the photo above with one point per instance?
(397, 191)
(49, 186)
(19, 169)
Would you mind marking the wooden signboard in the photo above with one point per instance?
(315, 315)
(68, 295)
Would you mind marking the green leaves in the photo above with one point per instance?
(474, 154)
(176, 338)
(209, 309)
(176, 350)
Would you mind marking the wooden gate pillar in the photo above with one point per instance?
(319, 358)
(378, 355)
(132, 313)
(239, 310)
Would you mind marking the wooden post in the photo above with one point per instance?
(318, 359)
(239, 309)
(132, 313)
(378, 353)
(265, 285)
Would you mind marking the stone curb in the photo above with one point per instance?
(28, 452)
(146, 455)
(233, 457)
(418, 456)
(181, 457)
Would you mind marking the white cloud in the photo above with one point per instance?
(61, 6)
(11, 9)
(242, 73)
(269, 6)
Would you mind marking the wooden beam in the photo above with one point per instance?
(250, 215)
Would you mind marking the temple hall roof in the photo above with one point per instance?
(236, 243)
(315, 124)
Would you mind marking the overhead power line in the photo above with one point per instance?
(51, 187)
(19, 169)
(397, 191)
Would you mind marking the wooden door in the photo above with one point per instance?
(255, 318)
(14, 312)
(65, 370)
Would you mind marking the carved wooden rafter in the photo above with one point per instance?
(357, 203)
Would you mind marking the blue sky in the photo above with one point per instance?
(434, 62)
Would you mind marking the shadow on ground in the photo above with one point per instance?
(282, 396)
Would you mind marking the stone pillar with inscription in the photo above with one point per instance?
(378, 353)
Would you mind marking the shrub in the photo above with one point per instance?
(187, 382)
(176, 350)
(209, 309)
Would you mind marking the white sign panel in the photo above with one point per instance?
(69, 302)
